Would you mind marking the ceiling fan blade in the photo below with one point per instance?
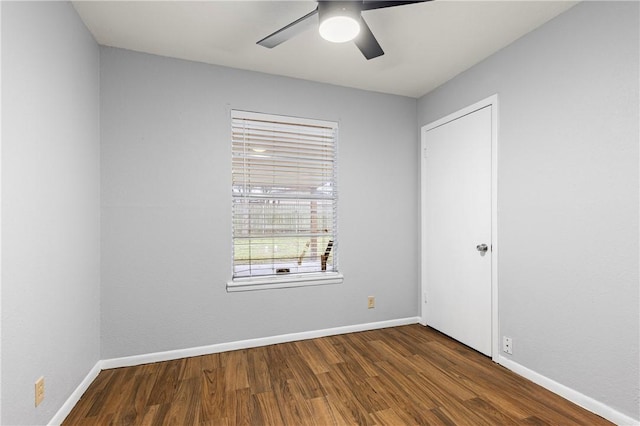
(293, 29)
(374, 4)
(367, 42)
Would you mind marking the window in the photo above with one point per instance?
(284, 200)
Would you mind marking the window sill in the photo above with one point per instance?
(285, 281)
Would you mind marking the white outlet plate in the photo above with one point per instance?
(507, 345)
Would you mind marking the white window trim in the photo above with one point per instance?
(288, 281)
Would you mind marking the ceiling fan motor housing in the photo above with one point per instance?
(328, 9)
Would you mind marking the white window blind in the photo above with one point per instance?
(284, 195)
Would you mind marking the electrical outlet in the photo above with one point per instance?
(39, 390)
(507, 345)
(371, 302)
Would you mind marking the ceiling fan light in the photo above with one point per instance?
(339, 29)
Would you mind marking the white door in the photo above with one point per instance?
(456, 219)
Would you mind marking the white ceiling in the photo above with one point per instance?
(425, 44)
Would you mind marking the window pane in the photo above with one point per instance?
(284, 195)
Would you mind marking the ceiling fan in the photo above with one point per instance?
(339, 21)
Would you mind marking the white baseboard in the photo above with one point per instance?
(250, 343)
(572, 395)
(73, 399)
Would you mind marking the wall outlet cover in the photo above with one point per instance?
(507, 345)
(39, 391)
(371, 302)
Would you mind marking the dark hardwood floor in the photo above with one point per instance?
(395, 376)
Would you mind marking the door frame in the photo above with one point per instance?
(491, 101)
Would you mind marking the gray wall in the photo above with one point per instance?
(567, 196)
(166, 212)
(50, 207)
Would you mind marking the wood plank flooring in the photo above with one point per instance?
(410, 375)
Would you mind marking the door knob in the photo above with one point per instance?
(482, 248)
